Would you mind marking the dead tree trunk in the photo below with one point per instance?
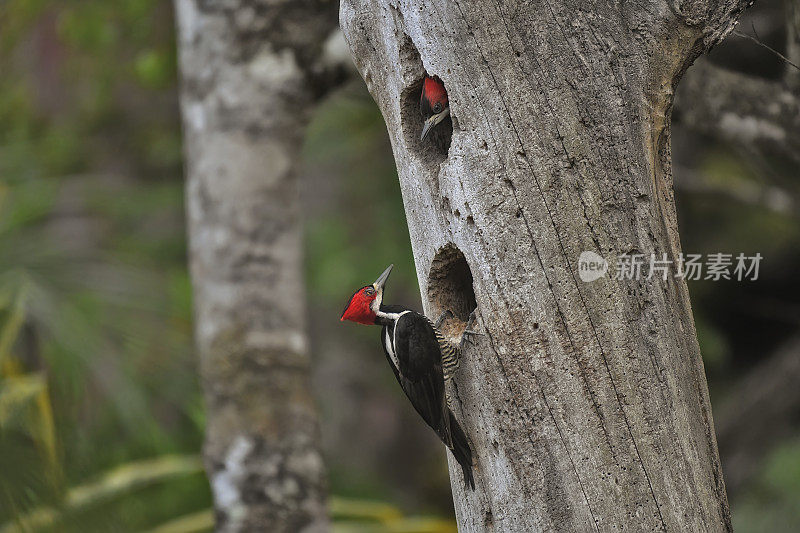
(251, 74)
(586, 403)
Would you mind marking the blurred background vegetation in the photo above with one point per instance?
(101, 415)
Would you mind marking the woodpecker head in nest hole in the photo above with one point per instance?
(365, 303)
(433, 104)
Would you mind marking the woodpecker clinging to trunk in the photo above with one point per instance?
(433, 104)
(421, 359)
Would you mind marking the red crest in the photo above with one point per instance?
(358, 308)
(433, 91)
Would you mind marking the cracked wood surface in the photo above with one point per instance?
(587, 404)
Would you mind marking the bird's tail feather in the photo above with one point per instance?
(461, 451)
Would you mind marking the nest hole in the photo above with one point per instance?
(450, 286)
(435, 147)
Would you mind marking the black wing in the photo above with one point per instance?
(420, 371)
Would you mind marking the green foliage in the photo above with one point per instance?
(348, 516)
(79, 509)
(96, 361)
(374, 231)
(356, 516)
(741, 229)
(154, 68)
(28, 456)
(123, 481)
(712, 342)
(770, 504)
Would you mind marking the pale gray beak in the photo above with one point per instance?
(432, 121)
(381, 281)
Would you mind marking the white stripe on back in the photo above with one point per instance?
(390, 350)
(390, 346)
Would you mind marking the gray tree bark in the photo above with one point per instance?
(251, 74)
(586, 404)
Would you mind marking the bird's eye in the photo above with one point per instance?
(437, 107)
(369, 291)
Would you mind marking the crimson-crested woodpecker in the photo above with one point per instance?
(433, 104)
(421, 358)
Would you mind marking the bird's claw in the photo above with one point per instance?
(468, 333)
(470, 321)
(464, 341)
(442, 317)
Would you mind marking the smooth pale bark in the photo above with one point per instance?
(251, 73)
(587, 404)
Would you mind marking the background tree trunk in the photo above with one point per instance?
(587, 404)
(251, 74)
